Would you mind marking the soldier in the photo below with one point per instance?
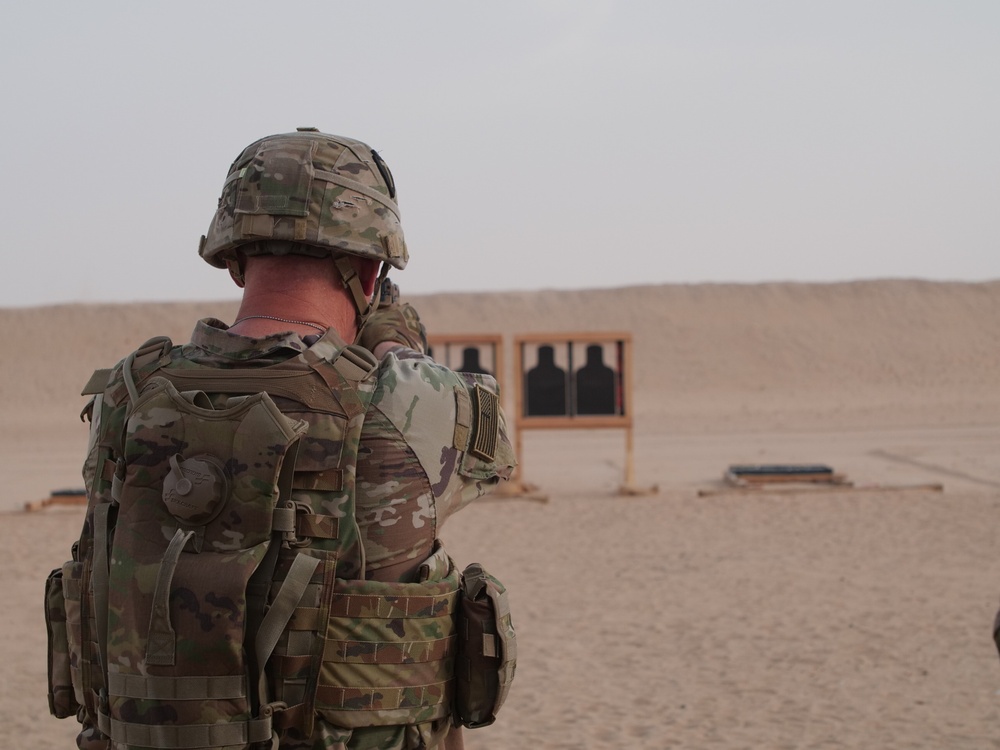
(308, 226)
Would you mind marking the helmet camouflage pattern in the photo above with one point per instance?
(307, 193)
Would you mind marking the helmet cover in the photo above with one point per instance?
(307, 193)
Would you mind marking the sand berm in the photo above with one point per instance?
(695, 617)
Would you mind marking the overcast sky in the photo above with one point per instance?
(541, 144)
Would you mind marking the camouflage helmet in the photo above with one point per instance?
(307, 193)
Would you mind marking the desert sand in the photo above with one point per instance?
(695, 617)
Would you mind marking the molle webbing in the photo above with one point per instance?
(170, 736)
(388, 652)
(200, 688)
(295, 524)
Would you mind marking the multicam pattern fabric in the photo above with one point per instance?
(410, 475)
(375, 519)
(62, 696)
(195, 604)
(324, 193)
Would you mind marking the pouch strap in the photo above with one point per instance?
(352, 283)
(153, 351)
(161, 640)
(283, 607)
(508, 642)
(102, 523)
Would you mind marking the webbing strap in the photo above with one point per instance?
(149, 687)
(357, 187)
(100, 578)
(393, 605)
(389, 652)
(289, 667)
(305, 618)
(355, 364)
(352, 283)
(318, 527)
(133, 391)
(117, 486)
(508, 643)
(257, 589)
(290, 521)
(171, 736)
(283, 606)
(161, 640)
(435, 696)
(283, 519)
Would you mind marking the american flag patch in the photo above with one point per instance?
(486, 427)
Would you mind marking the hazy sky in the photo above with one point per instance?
(542, 144)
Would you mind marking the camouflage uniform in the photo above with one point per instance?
(376, 615)
(409, 479)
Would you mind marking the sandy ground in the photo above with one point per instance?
(696, 617)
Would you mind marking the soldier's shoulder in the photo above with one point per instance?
(404, 375)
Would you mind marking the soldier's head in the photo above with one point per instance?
(312, 194)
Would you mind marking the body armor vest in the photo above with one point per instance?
(217, 594)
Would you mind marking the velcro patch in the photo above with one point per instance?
(463, 418)
(486, 427)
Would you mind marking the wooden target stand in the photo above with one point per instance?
(585, 393)
(563, 382)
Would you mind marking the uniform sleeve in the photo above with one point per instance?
(451, 421)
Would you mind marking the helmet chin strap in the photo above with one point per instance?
(236, 272)
(352, 283)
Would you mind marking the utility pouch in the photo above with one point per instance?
(62, 698)
(487, 649)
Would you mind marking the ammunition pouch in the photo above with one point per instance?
(487, 649)
(62, 696)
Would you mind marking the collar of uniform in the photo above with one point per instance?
(214, 336)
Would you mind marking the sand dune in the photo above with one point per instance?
(850, 619)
